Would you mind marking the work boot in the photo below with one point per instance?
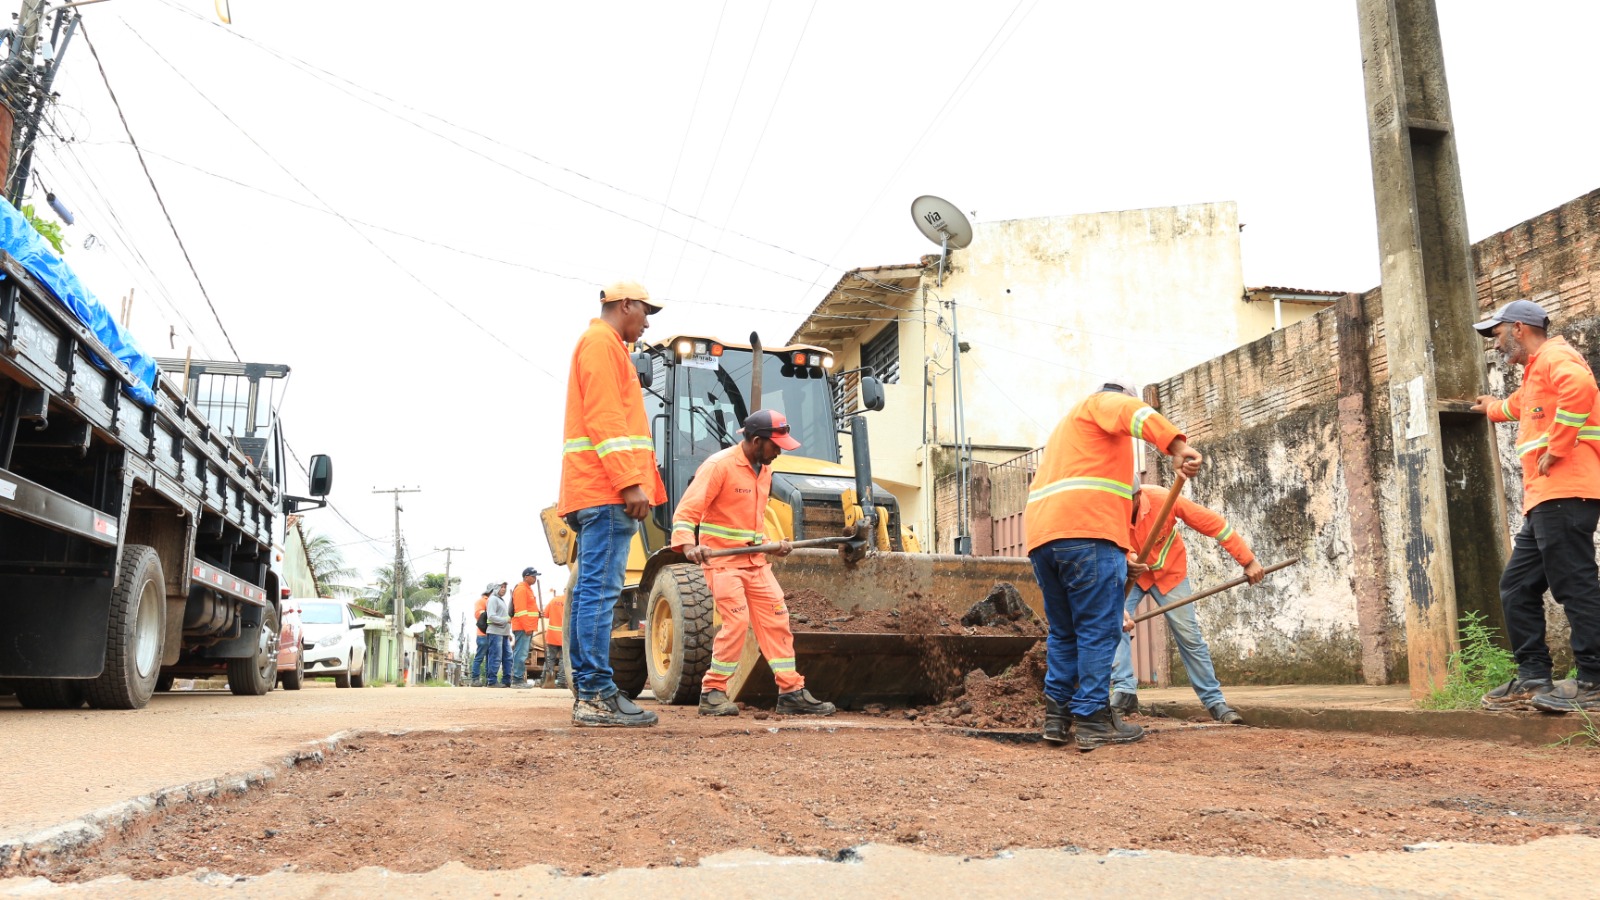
(477, 682)
(1105, 727)
(1571, 695)
(801, 703)
(1125, 703)
(1225, 714)
(1518, 693)
(716, 703)
(611, 712)
(1057, 724)
(521, 685)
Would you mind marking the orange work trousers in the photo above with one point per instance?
(747, 595)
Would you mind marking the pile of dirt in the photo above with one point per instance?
(915, 614)
(1013, 699)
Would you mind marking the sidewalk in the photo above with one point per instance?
(1376, 709)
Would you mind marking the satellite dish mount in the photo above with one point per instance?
(942, 222)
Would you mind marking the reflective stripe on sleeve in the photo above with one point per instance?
(1505, 409)
(1574, 419)
(1139, 415)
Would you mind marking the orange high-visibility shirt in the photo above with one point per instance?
(524, 609)
(1555, 411)
(552, 622)
(1084, 485)
(727, 502)
(477, 610)
(1169, 560)
(608, 446)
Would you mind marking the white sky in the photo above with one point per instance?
(409, 165)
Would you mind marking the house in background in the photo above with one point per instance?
(1041, 311)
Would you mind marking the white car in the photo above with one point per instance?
(335, 643)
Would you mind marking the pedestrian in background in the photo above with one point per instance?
(480, 656)
(499, 672)
(609, 482)
(524, 622)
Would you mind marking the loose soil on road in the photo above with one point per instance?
(590, 801)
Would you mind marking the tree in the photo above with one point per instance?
(50, 231)
(333, 575)
(417, 594)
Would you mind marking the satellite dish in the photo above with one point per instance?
(943, 223)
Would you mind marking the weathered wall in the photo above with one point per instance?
(1296, 429)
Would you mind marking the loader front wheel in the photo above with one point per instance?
(678, 633)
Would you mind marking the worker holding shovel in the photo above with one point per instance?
(1166, 578)
(1076, 520)
(726, 504)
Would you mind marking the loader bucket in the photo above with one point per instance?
(895, 669)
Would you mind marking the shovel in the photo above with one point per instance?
(1209, 591)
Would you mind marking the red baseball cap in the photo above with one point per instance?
(769, 423)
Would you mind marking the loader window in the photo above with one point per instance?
(715, 400)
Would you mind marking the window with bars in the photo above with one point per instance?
(882, 354)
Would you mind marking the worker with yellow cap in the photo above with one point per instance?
(609, 482)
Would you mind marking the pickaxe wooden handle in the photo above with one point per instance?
(773, 548)
(1209, 591)
(1162, 517)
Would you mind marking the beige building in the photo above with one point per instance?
(1043, 310)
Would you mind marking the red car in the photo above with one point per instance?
(291, 648)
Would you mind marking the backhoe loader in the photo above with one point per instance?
(697, 391)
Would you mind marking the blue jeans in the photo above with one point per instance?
(1184, 626)
(480, 659)
(520, 641)
(603, 536)
(1081, 579)
(499, 660)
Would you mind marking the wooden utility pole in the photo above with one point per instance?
(1449, 549)
(399, 575)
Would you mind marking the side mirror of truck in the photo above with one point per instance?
(320, 480)
(641, 364)
(871, 393)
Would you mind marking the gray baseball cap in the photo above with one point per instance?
(1122, 384)
(1525, 311)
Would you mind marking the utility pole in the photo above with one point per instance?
(444, 597)
(399, 575)
(26, 107)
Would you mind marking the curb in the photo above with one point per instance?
(1525, 729)
(41, 845)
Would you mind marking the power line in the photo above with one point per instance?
(687, 130)
(157, 191)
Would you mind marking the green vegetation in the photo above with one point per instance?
(1479, 666)
(48, 229)
(1587, 736)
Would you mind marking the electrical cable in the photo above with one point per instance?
(694, 108)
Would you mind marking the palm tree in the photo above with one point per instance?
(417, 594)
(333, 575)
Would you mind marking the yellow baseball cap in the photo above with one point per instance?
(628, 290)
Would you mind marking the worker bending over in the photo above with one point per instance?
(727, 504)
(1166, 579)
(1558, 441)
(1076, 522)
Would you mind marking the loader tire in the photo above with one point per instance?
(257, 674)
(679, 632)
(49, 693)
(134, 634)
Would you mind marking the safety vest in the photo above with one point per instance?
(1555, 411)
(607, 433)
(477, 611)
(552, 621)
(524, 609)
(727, 503)
(1085, 483)
(1169, 559)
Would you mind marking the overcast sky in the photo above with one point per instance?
(413, 204)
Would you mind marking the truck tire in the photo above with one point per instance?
(295, 678)
(135, 633)
(49, 693)
(678, 633)
(627, 656)
(257, 674)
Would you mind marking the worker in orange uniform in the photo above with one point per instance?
(609, 481)
(1166, 579)
(553, 676)
(480, 656)
(1557, 411)
(1076, 522)
(524, 623)
(726, 504)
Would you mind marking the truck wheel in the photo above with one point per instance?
(49, 693)
(135, 633)
(255, 675)
(678, 633)
(627, 654)
(295, 678)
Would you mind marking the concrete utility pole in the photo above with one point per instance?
(1452, 521)
(399, 574)
(444, 596)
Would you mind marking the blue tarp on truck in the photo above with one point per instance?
(19, 239)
